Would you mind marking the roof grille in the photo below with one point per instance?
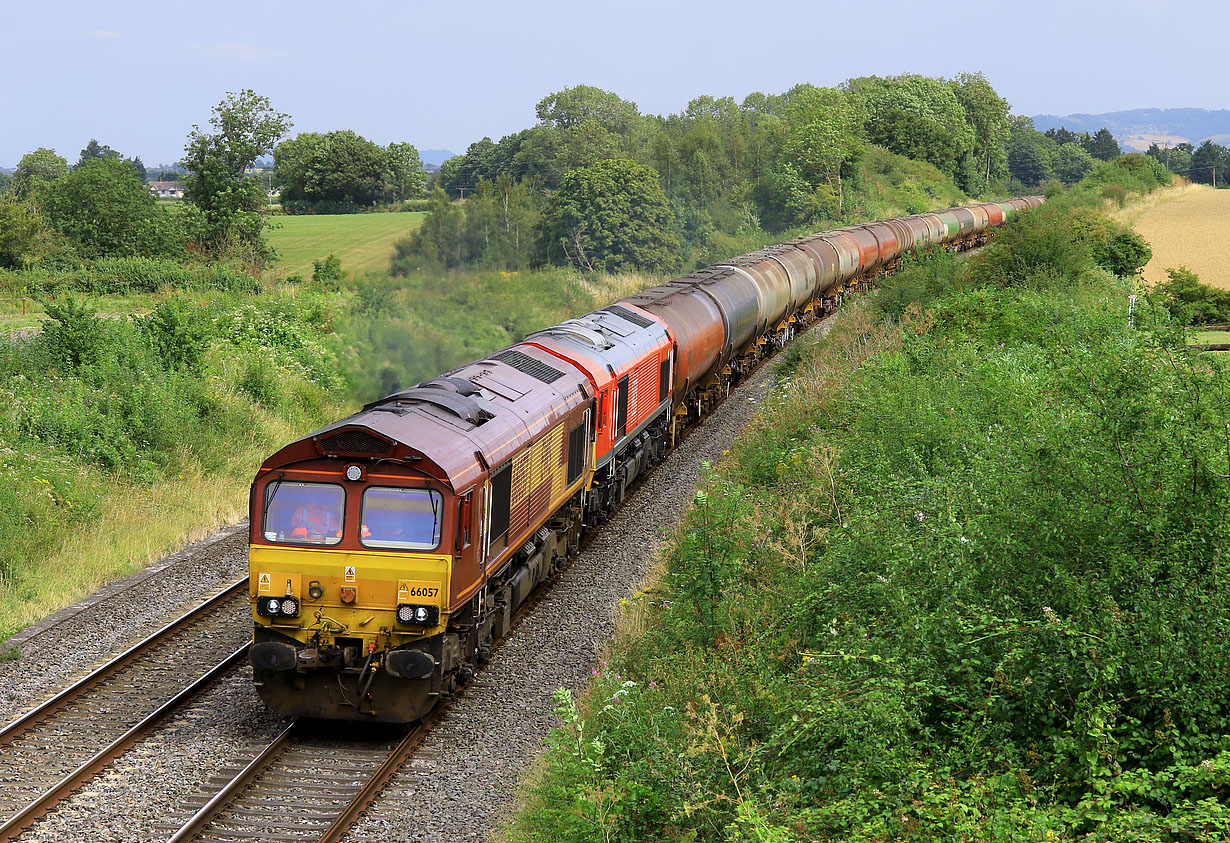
(356, 442)
(634, 318)
(533, 368)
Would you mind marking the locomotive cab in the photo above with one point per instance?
(351, 562)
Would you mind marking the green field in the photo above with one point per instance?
(363, 242)
(1195, 337)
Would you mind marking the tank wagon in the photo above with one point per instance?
(390, 549)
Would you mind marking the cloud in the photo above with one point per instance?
(239, 52)
(106, 33)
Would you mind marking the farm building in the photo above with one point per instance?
(167, 189)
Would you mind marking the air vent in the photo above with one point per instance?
(356, 443)
(533, 368)
(634, 318)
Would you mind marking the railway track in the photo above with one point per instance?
(53, 749)
(306, 785)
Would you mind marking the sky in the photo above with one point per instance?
(137, 74)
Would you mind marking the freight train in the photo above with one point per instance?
(389, 550)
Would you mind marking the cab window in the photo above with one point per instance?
(303, 513)
(402, 519)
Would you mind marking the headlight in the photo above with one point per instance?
(268, 606)
(414, 615)
(290, 607)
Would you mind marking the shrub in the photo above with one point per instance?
(1040, 244)
(328, 272)
(1191, 302)
(73, 335)
(177, 333)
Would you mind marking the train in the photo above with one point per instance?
(389, 550)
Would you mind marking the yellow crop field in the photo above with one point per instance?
(1185, 226)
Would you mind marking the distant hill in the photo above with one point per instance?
(1138, 128)
(435, 157)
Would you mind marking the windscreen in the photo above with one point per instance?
(405, 519)
(303, 513)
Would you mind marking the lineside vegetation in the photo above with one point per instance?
(963, 580)
(122, 437)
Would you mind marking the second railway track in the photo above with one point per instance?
(51, 750)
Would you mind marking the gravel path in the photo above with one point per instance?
(463, 781)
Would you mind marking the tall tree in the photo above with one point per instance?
(36, 172)
(1028, 161)
(334, 171)
(987, 114)
(918, 117)
(1102, 145)
(1209, 163)
(823, 138)
(95, 151)
(1071, 163)
(404, 177)
(20, 229)
(230, 202)
(574, 106)
(1177, 159)
(612, 216)
(441, 239)
(106, 211)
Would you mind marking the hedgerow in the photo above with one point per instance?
(127, 276)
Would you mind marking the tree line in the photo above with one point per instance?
(767, 163)
(53, 215)
(1035, 158)
(1208, 163)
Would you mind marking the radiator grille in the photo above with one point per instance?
(533, 368)
(356, 442)
(634, 318)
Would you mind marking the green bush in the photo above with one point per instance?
(328, 272)
(1036, 246)
(1191, 302)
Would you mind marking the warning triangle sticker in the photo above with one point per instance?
(263, 582)
(350, 573)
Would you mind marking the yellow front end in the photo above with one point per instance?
(345, 654)
(359, 592)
